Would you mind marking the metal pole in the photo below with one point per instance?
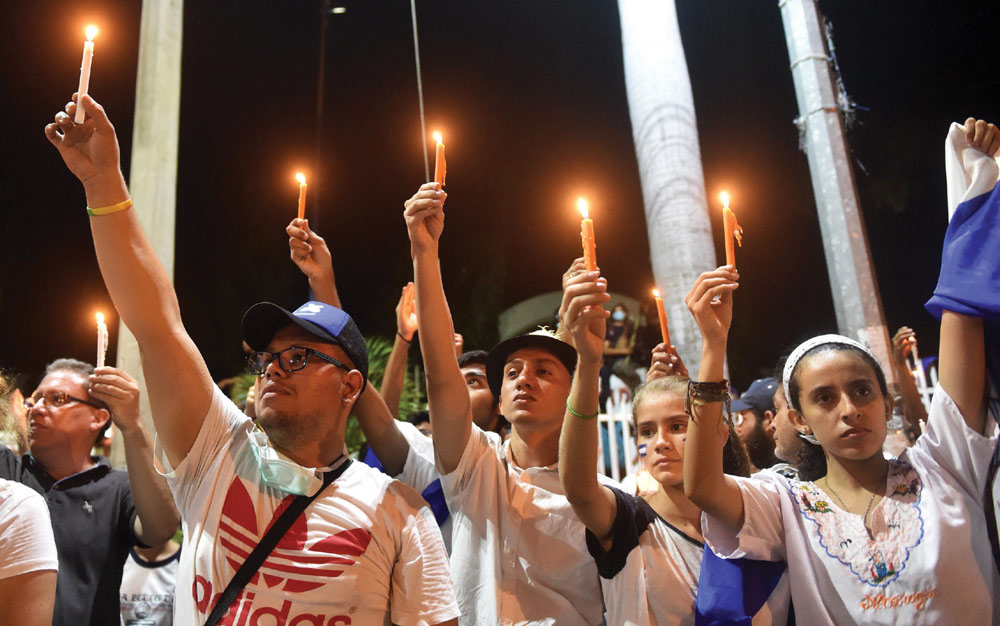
(845, 240)
(420, 90)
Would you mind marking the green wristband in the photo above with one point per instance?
(580, 415)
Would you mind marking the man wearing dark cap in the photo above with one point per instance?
(753, 413)
(366, 550)
(517, 552)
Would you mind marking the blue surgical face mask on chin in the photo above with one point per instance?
(282, 473)
(618, 316)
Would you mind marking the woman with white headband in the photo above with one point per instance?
(867, 541)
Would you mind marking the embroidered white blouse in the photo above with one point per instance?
(930, 560)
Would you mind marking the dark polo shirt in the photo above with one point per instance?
(92, 519)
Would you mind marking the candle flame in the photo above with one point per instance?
(91, 32)
(724, 196)
(437, 137)
(100, 318)
(581, 204)
(656, 293)
(301, 178)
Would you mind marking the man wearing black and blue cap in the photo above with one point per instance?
(753, 413)
(365, 550)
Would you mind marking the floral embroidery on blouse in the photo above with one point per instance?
(897, 526)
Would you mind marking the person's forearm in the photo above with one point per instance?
(154, 505)
(962, 366)
(578, 450)
(395, 375)
(324, 289)
(704, 480)
(137, 283)
(913, 408)
(447, 394)
(381, 431)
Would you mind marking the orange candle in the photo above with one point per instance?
(732, 229)
(302, 194)
(102, 340)
(88, 59)
(587, 235)
(662, 312)
(440, 165)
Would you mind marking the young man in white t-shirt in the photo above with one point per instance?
(366, 551)
(518, 550)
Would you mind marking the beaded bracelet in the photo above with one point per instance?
(108, 210)
(580, 415)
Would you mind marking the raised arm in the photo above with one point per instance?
(395, 367)
(962, 355)
(704, 481)
(177, 379)
(913, 408)
(447, 394)
(157, 518)
(585, 319)
(311, 255)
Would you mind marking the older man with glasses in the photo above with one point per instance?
(97, 513)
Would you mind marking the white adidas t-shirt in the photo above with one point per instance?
(930, 561)
(26, 543)
(366, 552)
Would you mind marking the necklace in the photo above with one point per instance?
(868, 509)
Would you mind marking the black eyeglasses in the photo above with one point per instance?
(289, 360)
(57, 399)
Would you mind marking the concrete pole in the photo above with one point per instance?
(845, 239)
(664, 129)
(153, 172)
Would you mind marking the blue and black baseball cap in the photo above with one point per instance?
(327, 322)
(759, 396)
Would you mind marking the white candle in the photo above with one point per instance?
(88, 59)
(102, 340)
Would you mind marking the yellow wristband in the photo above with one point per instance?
(108, 210)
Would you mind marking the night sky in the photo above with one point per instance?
(531, 99)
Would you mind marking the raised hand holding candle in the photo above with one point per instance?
(587, 234)
(440, 165)
(662, 312)
(302, 194)
(102, 340)
(732, 229)
(88, 59)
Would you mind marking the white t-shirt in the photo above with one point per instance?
(650, 574)
(26, 542)
(419, 470)
(147, 591)
(366, 551)
(930, 562)
(518, 553)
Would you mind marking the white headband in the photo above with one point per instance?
(808, 345)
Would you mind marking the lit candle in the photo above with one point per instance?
(440, 165)
(88, 59)
(302, 194)
(102, 339)
(662, 312)
(732, 230)
(587, 234)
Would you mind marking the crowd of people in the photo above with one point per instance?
(800, 501)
